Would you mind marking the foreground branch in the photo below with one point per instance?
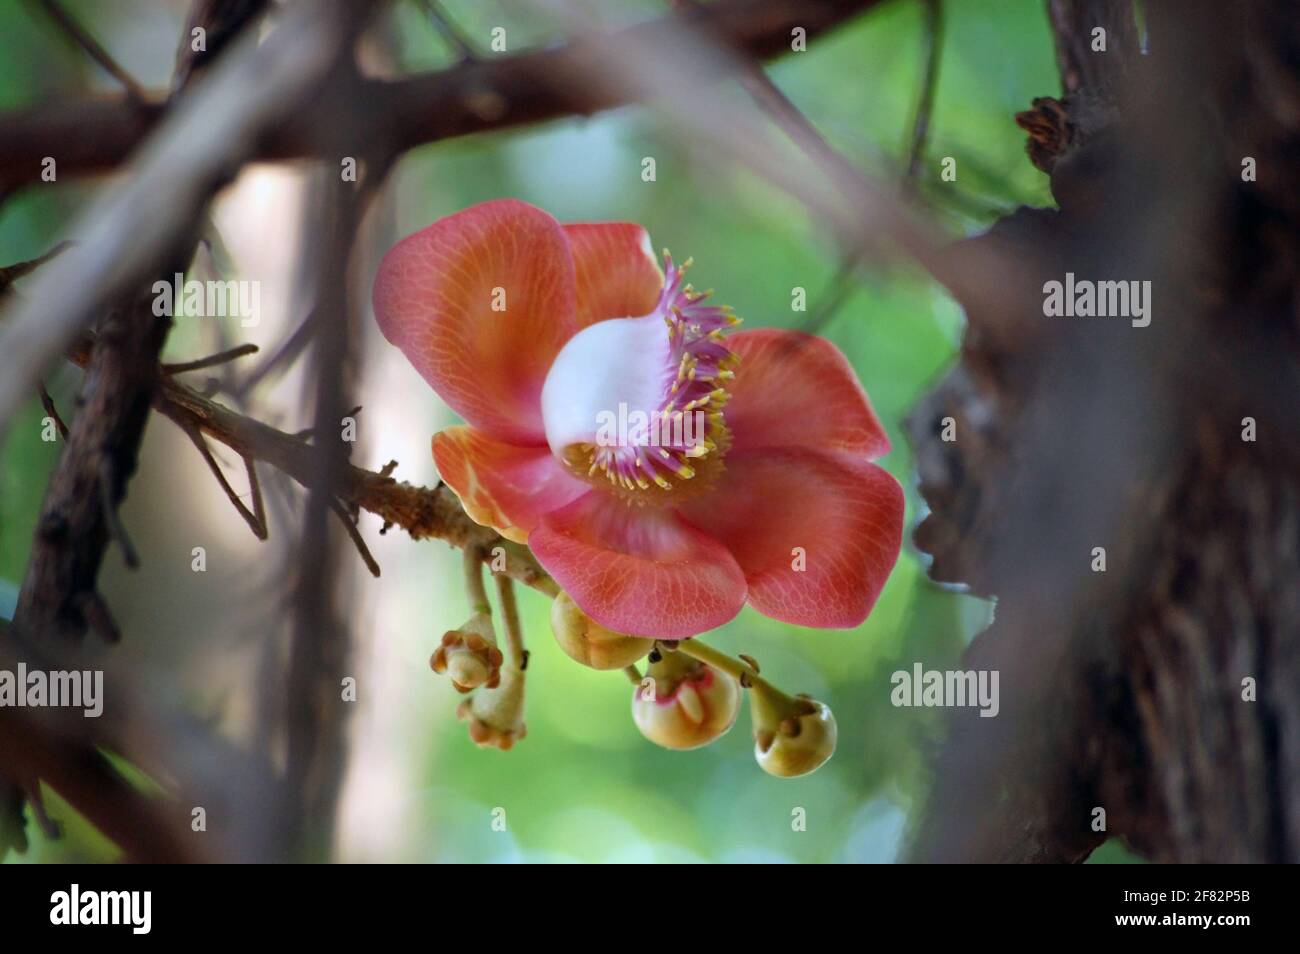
(95, 135)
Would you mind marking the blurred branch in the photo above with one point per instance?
(49, 744)
(320, 642)
(95, 135)
(773, 101)
(108, 272)
(861, 213)
(220, 22)
(132, 231)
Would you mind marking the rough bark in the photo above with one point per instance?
(1123, 690)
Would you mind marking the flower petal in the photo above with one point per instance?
(844, 513)
(641, 571)
(615, 269)
(503, 486)
(434, 296)
(798, 390)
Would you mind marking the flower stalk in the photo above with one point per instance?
(510, 621)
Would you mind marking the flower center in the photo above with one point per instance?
(634, 405)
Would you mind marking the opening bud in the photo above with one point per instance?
(688, 705)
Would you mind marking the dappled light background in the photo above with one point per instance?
(584, 785)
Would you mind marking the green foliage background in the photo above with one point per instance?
(584, 785)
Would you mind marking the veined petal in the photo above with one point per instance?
(502, 486)
(816, 534)
(798, 390)
(615, 270)
(481, 302)
(642, 571)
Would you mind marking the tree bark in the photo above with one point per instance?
(1162, 691)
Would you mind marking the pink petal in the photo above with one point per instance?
(642, 571)
(845, 513)
(434, 296)
(615, 269)
(503, 486)
(798, 390)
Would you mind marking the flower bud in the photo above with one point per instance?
(586, 641)
(496, 715)
(690, 704)
(469, 655)
(792, 736)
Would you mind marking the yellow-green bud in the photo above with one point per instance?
(586, 641)
(792, 736)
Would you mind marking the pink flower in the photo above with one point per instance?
(540, 335)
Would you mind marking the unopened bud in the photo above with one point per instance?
(792, 736)
(496, 715)
(469, 655)
(586, 641)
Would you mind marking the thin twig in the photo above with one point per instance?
(355, 536)
(255, 491)
(773, 101)
(450, 32)
(256, 518)
(98, 617)
(11, 273)
(211, 360)
(929, 82)
(838, 290)
(92, 47)
(420, 511)
(283, 355)
(47, 403)
(113, 519)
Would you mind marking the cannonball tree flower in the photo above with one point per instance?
(538, 333)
